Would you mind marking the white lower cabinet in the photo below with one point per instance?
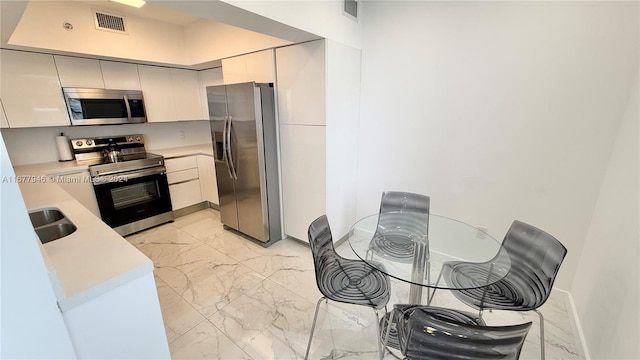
(79, 186)
(208, 182)
(303, 158)
(184, 182)
(123, 323)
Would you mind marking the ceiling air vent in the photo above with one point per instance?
(350, 9)
(109, 22)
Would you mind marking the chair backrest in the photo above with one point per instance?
(321, 242)
(425, 334)
(404, 211)
(535, 258)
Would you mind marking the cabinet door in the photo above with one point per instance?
(260, 66)
(79, 186)
(186, 94)
(208, 183)
(30, 90)
(120, 76)
(3, 118)
(303, 161)
(185, 194)
(208, 78)
(78, 72)
(234, 70)
(157, 90)
(300, 71)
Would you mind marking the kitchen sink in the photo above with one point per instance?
(56, 231)
(45, 216)
(51, 224)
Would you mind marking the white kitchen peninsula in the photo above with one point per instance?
(104, 286)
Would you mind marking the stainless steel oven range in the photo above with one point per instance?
(130, 184)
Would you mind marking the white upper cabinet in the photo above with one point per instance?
(208, 78)
(120, 76)
(186, 94)
(157, 91)
(3, 118)
(89, 73)
(78, 72)
(258, 67)
(234, 70)
(30, 90)
(170, 94)
(301, 84)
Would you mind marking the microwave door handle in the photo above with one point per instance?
(225, 154)
(231, 160)
(126, 104)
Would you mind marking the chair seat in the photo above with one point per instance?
(427, 332)
(506, 294)
(354, 282)
(396, 247)
(448, 314)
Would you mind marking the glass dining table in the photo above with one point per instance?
(432, 252)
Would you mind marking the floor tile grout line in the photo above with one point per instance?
(229, 337)
(191, 328)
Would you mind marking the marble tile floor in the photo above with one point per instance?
(225, 297)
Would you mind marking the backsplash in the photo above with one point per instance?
(38, 145)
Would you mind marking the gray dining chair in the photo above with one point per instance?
(428, 332)
(345, 280)
(528, 262)
(403, 217)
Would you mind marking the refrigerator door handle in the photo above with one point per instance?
(231, 162)
(224, 147)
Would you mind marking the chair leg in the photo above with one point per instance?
(433, 291)
(541, 333)
(313, 326)
(380, 348)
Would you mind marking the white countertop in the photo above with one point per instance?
(203, 149)
(92, 260)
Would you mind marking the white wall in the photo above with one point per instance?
(497, 110)
(207, 40)
(320, 17)
(607, 281)
(30, 323)
(342, 111)
(37, 145)
(296, 21)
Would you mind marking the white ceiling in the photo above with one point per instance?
(159, 35)
(149, 10)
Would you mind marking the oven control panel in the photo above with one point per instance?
(104, 141)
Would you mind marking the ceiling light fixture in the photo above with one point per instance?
(134, 3)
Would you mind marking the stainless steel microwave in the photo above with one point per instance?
(104, 107)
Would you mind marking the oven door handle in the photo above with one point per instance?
(126, 176)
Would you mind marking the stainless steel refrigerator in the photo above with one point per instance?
(243, 132)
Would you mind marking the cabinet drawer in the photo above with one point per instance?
(181, 163)
(185, 194)
(182, 175)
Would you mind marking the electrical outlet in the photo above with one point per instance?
(482, 232)
(181, 133)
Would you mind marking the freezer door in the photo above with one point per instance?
(245, 150)
(218, 116)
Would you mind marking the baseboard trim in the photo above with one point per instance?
(190, 209)
(577, 325)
